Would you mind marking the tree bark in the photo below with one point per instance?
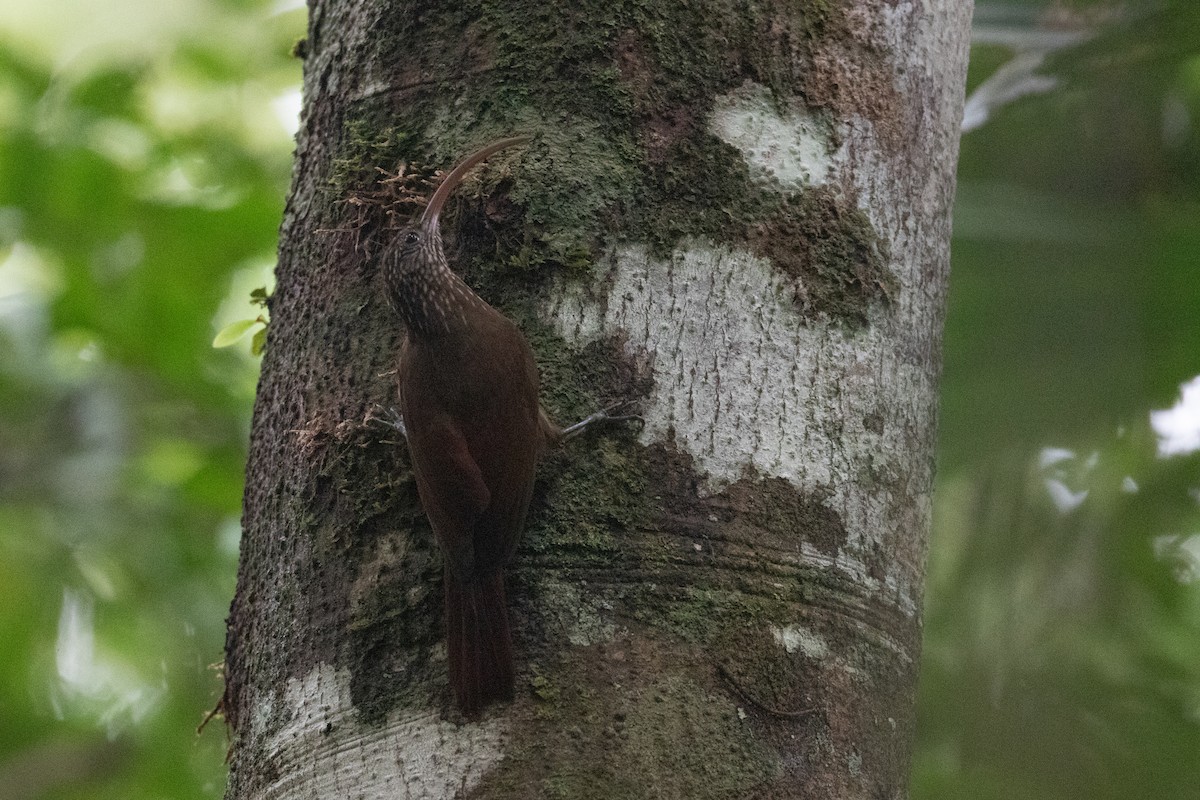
(735, 213)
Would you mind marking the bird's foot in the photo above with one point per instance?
(389, 417)
(603, 415)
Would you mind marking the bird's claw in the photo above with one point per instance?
(603, 415)
(389, 417)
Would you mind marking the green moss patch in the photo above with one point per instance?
(829, 249)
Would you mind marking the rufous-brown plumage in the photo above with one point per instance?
(468, 389)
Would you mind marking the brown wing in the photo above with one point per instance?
(471, 411)
(451, 487)
(506, 445)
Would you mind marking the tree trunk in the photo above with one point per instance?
(736, 214)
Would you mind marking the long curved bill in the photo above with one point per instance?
(434, 208)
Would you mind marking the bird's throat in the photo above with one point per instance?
(434, 302)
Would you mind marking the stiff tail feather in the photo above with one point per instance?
(478, 643)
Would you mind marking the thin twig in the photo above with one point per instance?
(742, 692)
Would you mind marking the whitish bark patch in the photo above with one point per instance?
(792, 146)
(322, 750)
(798, 639)
(746, 386)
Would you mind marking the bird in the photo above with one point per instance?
(468, 400)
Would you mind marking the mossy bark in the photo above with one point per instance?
(734, 213)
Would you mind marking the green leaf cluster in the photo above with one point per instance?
(235, 331)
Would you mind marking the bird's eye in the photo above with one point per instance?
(411, 237)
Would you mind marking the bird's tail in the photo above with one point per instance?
(478, 643)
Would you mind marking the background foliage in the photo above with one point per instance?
(1062, 646)
(144, 157)
(142, 177)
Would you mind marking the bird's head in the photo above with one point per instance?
(418, 246)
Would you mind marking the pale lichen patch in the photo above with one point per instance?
(704, 362)
(745, 384)
(789, 146)
(796, 638)
(325, 748)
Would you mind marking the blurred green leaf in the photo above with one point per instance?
(109, 92)
(233, 332)
(259, 343)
